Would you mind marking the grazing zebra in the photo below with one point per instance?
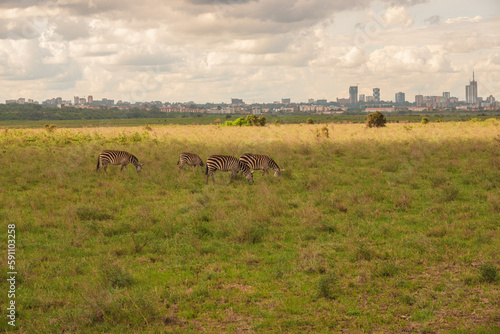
(117, 158)
(189, 159)
(226, 163)
(258, 161)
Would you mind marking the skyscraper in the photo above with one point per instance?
(376, 94)
(400, 97)
(419, 100)
(353, 94)
(471, 91)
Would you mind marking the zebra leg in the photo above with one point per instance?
(194, 166)
(105, 166)
(123, 166)
(181, 166)
(213, 179)
(234, 175)
(264, 171)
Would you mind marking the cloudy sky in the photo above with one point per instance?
(256, 50)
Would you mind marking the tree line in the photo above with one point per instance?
(36, 112)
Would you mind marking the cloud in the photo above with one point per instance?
(464, 19)
(398, 16)
(434, 19)
(395, 59)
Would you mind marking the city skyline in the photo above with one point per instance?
(212, 50)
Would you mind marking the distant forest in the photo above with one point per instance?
(36, 112)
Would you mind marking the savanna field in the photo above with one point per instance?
(369, 230)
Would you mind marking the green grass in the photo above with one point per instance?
(369, 230)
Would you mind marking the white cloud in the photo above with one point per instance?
(398, 16)
(463, 19)
(211, 50)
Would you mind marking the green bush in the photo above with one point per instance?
(425, 120)
(328, 286)
(250, 120)
(309, 121)
(50, 128)
(117, 277)
(376, 119)
(488, 272)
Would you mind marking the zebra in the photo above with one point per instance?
(189, 159)
(117, 158)
(226, 163)
(258, 161)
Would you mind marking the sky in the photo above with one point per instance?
(255, 50)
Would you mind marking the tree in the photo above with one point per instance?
(376, 119)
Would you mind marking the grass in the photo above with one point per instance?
(368, 230)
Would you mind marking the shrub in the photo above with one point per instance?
(323, 132)
(376, 119)
(309, 121)
(90, 213)
(425, 120)
(328, 286)
(50, 128)
(488, 272)
(117, 276)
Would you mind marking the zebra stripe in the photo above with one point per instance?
(259, 161)
(189, 159)
(117, 158)
(226, 163)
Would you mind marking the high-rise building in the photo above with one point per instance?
(353, 94)
(361, 97)
(286, 101)
(471, 91)
(419, 100)
(400, 97)
(90, 99)
(76, 100)
(376, 94)
(446, 96)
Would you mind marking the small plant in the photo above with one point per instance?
(309, 121)
(86, 212)
(488, 273)
(376, 119)
(323, 132)
(425, 120)
(117, 276)
(50, 128)
(328, 286)
(147, 127)
(388, 269)
(277, 122)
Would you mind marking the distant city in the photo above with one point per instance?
(355, 102)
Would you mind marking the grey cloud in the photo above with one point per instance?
(434, 19)
(73, 29)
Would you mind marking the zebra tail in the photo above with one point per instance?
(98, 163)
(206, 169)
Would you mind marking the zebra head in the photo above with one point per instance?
(138, 167)
(277, 173)
(249, 177)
